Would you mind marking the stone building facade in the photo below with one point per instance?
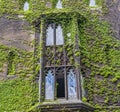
(17, 35)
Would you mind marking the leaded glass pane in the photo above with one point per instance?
(49, 86)
(82, 83)
(26, 6)
(59, 4)
(50, 36)
(59, 36)
(92, 3)
(71, 78)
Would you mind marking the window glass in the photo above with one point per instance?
(50, 36)
(59, 4)
(82, 83)
(92, 3)
(59, 36)
(49, 86)
(26, 6)
(71, 78)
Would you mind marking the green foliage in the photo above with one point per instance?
(15, 95)
(99, 52)
(11, 63)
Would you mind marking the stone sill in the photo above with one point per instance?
(65, 106)
(96, 8)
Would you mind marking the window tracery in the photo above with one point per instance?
(50, 36)
(49, 86)
(54, 35)
(59, 36)
(58, 65)
(72, 87)
(59, 4)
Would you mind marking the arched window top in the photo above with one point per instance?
(59, 4)
(50, 36)
(72, 87)
(54, 35)
(11, 63)
(92, 3)
(59, 36)
(26, 6)
(49, 85)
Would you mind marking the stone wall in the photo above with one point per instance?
(16, 33)
(113, 16)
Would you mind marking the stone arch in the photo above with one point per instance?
(26, 5)
(11, 62)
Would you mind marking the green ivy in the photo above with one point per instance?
(99, 52)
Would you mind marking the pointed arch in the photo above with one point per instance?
(50, 36)
(26, 6)
(59, 35)
(92, 3)
(72, 84)
(49, 85)
(11, 63)
(59, 4)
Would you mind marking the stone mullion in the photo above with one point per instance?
(36, 61)
(77, 60)
(41, 76)
(55, 88)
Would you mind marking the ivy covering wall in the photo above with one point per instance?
(99, 52)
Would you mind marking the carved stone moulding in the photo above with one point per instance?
(65, 107)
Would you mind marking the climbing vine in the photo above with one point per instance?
(99, 51)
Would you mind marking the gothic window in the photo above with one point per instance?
(59, 36)
(54, 35)
(60, 81)
(50, 35)
(49, 86)
(59, 78)
(92, 3)
(59, 4)
(72, 87)
(11, 63)
(26, 6)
